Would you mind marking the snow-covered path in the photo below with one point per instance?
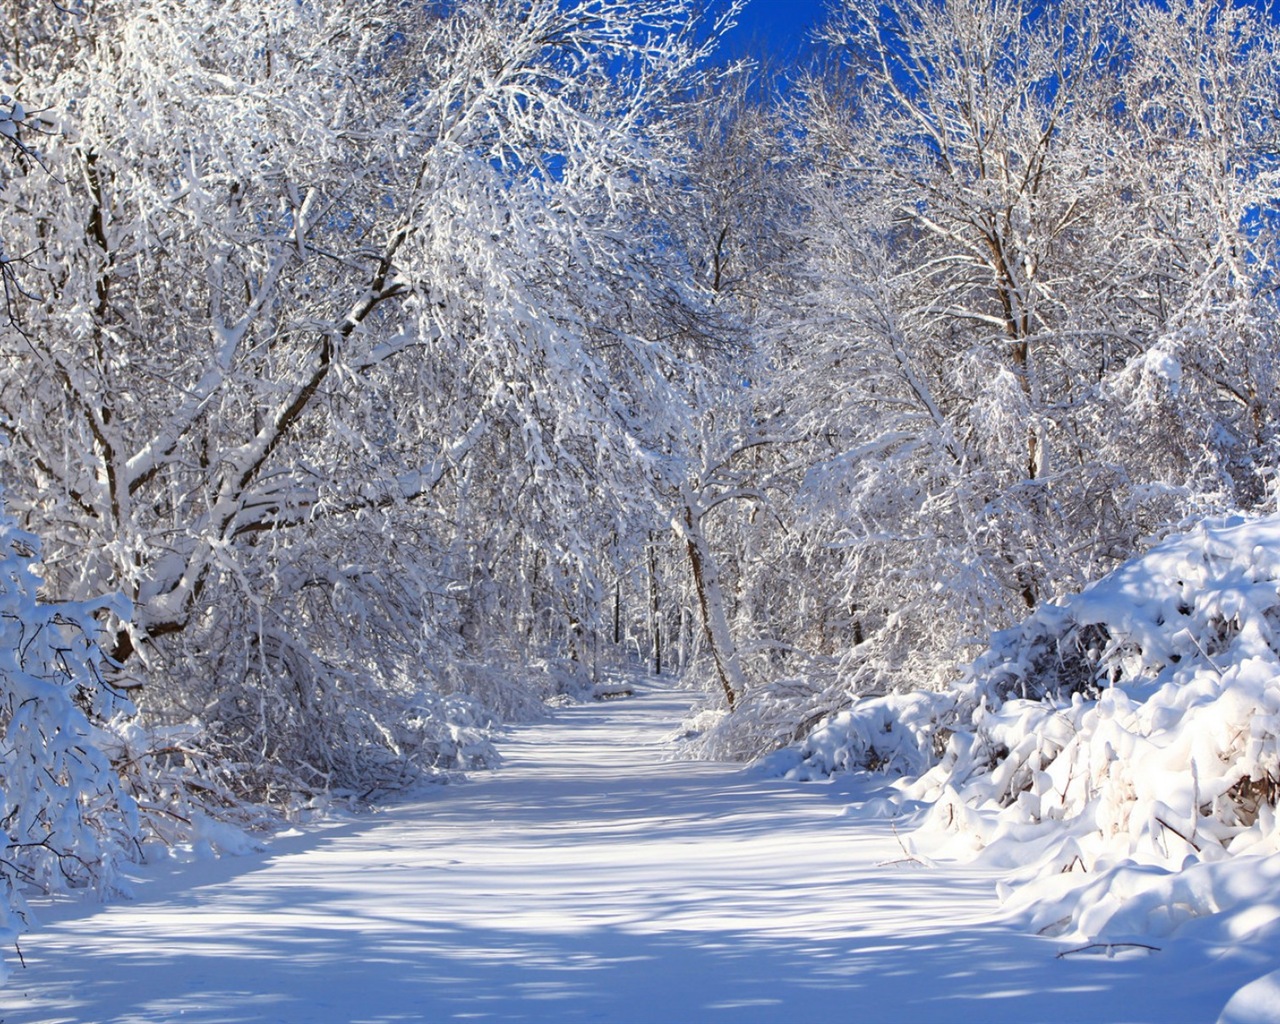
(589, 879)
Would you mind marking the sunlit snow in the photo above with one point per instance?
(594, 879)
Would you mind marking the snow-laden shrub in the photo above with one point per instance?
(67, 821)
(902, 734)
(767, 717)
(187, 799)
(516, 688)
(1149, 704)
(318, 678)
(1123, 743)
(86, 784)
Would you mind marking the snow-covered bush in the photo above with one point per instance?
(1148, 700)
(1113, 743)
(86, 783)
(767, 717)
(67, 821)
(902, 734)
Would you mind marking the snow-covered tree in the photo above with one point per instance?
(1203, 180)
(729, 497)
(336, 310)
(996, 329)
(1033, 327)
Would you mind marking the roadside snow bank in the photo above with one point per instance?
(1118, 752)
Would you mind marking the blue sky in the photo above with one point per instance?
(778, 25)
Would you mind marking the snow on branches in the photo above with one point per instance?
(341, 308)
(66, 820)
(1111, 750)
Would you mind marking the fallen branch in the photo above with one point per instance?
(1109, 948)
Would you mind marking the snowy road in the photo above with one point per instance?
(588, 880)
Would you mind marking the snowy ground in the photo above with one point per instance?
(590, 879)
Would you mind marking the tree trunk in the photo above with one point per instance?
(706, 581)
(655, 608)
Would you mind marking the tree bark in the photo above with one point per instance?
(706, 580)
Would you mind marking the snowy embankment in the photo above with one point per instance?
(1117, 755)
(592, 879)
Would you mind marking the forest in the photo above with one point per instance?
(373, 372)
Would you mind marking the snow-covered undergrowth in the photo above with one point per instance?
(67, 818)
(766, 718)
(1118, 752)
(84, 786)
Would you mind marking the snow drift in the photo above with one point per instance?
(1118, 751)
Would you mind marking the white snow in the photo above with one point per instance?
(1116, 754)
(593, 879)
(1160, 363)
